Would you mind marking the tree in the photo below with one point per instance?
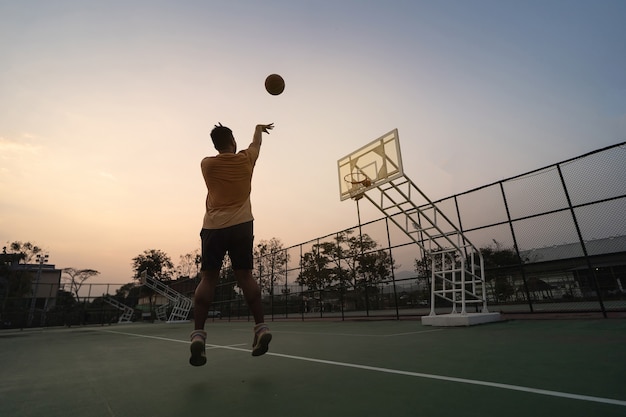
(352, 250)
(443, 261)
(28, 250)
(67, 307)
(348, 262)
(375, 267)
(321, 267)
(189, 264)
(271, 259)
(128, 294)
(125, 291)
(225, 290)
(315, 273)
(155, 262)
(497, 255)
(496, 258)
(423, 268)
(77, 277)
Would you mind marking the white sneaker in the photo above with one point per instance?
(198, 353)
(262, 338)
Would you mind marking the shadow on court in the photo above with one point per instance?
(375, 368)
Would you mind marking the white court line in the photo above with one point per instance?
(407, 373)
(407, 333)
(347, 334)
(178, 341)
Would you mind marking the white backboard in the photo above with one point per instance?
(379, 160)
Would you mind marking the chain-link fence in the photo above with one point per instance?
(54, 305)
(553, 240)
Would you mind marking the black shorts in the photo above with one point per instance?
(237, 240)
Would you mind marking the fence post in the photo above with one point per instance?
(582, 242)
(393, 272)
(521, 262)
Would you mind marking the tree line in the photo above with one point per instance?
(350, 262)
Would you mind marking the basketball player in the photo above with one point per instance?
(228, 228)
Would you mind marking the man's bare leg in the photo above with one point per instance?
(203, 297)
(252, 294)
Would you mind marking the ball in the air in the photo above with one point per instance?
(274, 84)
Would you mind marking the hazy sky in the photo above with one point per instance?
(106, 107)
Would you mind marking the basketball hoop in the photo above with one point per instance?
(358, 183)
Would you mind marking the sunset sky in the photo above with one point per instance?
(106, 108)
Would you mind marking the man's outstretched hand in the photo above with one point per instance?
(265, 128)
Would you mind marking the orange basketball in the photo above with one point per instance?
(274, 84)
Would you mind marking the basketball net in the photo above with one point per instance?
(358, 183)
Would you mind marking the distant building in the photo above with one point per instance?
(562, 271)
(45, 283)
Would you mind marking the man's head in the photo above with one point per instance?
(223, 138)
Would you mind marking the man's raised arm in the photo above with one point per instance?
(258, 132)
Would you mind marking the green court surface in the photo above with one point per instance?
(352, 368)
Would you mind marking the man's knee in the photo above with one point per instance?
(246, 282)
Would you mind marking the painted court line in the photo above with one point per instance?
(407, 333)
(175, 340)
(406, 373)
(347, 334)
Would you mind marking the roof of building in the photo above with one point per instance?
(613, 244)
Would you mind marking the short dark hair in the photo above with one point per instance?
(221, 136)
